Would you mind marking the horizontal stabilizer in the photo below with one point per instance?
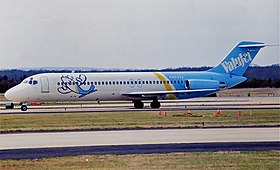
(257, 45)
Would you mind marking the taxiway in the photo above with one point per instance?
(38, 145)
(137, 137)
(206, 103)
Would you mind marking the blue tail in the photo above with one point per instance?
(239, 59)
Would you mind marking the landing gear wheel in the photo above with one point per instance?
(155, 104)
(138, 105)
(23, 108)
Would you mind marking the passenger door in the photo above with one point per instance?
(44, 85)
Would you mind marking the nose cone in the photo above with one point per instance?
(10, 94)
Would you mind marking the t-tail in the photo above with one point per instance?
(239, 59)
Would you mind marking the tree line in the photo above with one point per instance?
(258, 83)
(5, 84)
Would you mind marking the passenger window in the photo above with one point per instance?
(35, 82)
(58, 83)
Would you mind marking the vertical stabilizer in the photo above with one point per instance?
(239, 59)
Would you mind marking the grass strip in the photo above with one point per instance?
(195, 160)
(149, 119)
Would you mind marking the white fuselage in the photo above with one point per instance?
(111, 86)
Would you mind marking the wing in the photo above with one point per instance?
(150, 94)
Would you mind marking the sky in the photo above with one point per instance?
(133, 34)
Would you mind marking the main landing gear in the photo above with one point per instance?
(155, 104)
(138, 104)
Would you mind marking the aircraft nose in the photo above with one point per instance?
(9, 94)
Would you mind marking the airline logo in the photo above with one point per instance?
(237, 62)
(78, 85)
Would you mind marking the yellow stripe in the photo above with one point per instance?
(76, 87)
(166, 85)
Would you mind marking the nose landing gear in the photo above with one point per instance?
(23, 107)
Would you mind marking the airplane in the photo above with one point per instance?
(137, 86)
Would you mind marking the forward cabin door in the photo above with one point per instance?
(44, 85)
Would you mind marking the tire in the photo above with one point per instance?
(23, 108)
(138, 105)
(155, 104)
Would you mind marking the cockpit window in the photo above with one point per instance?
(30, 81)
